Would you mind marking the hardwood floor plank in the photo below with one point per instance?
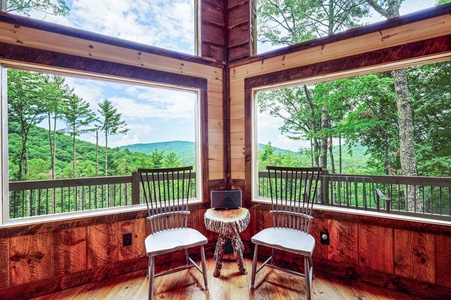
(271, 284)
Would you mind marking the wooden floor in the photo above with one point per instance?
(270, 284)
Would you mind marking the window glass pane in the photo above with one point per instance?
(361, 115)
(368, 125)
(161, 23)
(293, 22)
(65, 127)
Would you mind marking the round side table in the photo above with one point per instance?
(228, 223)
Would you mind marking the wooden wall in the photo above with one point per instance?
(403, 255)
(51, 256)
(225, 29)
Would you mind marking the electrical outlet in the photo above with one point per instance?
(127, 239)
(324, 238)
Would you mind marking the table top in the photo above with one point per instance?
(228, 221)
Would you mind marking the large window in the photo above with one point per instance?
(63, 127)
(368, 125)
(161, 23)
(283, 23)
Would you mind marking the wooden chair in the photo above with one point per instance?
(293, 191)
(166, 192)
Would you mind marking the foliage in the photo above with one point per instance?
(111, 124)
(121, 162)
(58, 7)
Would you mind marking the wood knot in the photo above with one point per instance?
(91, 46)
(16, 26)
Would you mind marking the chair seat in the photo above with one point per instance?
(286, 239)
(172, 240)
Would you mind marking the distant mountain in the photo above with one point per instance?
(185, 150)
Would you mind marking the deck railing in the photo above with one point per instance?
(431, 195)
(48, 197)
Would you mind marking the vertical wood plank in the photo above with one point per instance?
(318, 226)
(343, 242)
(30, 258)
(4, 262)
(443, 252)
(376, 248)
(70, 250)
(102, 244)
(415, 255)
(137, 228)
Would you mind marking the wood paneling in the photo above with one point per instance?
(343, 242)
(102, 247)
(70, 250)
(4, 259)
(443, 259)
(376, 248)
(30, 258)
(415, 255)
(139, 229)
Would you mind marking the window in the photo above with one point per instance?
(165, 24)
(65, 127)
(290, 23)
(350, 126)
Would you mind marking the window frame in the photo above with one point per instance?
(4, 175)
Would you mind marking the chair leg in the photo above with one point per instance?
(151, 276)
(254, 266)
(186, 257)
(308, 271)
(204, 266)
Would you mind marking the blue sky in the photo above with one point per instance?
(155, 115)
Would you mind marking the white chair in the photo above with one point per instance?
(166, 192)
(293, 191)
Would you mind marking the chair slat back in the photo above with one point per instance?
(166, 191)
(293, 191)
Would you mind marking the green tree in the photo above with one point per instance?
(156, 159)
(77, 117)
(390, 9)
(372, 122)
(56, 91)
(111, 124)
(171, 160)
(288, 22)
(57, 7)
(25, 106)
(430, 91)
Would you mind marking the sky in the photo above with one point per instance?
(155, 114)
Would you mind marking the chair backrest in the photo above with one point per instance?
(166, 192)
(293, 191)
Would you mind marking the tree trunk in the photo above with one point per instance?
(324, 140)
(405, 123)
(74, 156)
(340, 154)
(97, 152)
(106, 153)
(316, 148)
(406, 138)
(331, 154)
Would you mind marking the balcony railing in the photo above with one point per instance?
(431, 195)
(49, 197)
(426, 197)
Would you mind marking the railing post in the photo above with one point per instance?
(135, 187)
(325, 187)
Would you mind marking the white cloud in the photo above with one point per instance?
(161, 23)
